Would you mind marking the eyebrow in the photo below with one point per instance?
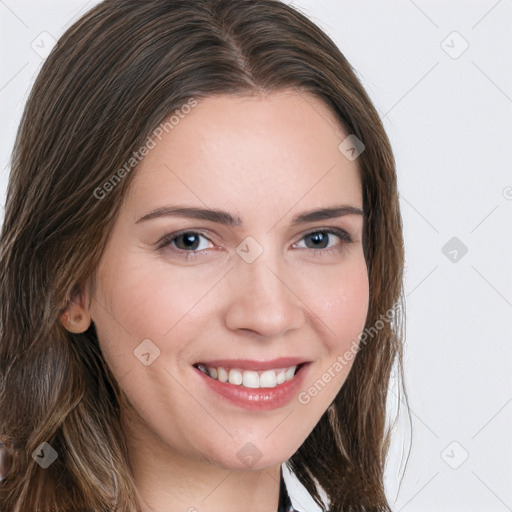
(225, 218)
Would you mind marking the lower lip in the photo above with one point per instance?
(257, 399)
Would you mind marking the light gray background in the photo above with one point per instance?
(448, 113)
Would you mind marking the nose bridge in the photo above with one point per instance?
(266, 279)
(262, 300)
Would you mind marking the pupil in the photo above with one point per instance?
(318, 238)
(190, 240)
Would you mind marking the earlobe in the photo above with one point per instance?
(76, 317)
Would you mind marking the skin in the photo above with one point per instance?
(265, 159)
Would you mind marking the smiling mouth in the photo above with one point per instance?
(249, 378)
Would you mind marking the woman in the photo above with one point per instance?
(201, 259)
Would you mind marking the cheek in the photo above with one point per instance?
(342, 308)
(355, 299)
(341, 302)
(139, 302)
(149, 300)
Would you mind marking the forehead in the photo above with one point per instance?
(247, 152)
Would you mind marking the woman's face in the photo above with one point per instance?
(249, 278)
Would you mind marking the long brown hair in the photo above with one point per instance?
(113, 77)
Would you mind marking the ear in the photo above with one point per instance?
(76, 316)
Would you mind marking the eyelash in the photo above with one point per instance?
(167, 241)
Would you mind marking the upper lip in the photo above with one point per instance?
(256, 365)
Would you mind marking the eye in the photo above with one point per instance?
(189, 244)
(185, 243)
(319, 240)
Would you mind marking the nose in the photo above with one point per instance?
(263, 298)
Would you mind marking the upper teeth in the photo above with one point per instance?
(249, 378)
